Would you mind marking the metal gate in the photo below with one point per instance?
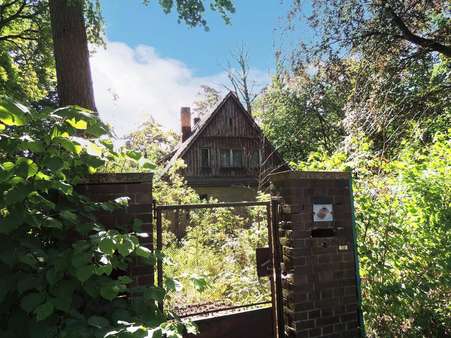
(268, 258)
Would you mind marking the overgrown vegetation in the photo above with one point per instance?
(215, 247)
(369, 94)
(64, 273)
(403, 220)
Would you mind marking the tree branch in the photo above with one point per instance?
(418, 40)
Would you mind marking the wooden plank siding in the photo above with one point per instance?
(230, 128)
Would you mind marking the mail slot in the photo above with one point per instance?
(264, 264)
(323, 232)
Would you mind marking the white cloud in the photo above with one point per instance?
(132, 84)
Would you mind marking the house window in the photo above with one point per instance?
(231, 158)
(205, 158)
(255, 160)
(237, 158)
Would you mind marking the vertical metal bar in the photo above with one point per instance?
(159, 250)
(277, 274)
(356, 261)
(271, 277)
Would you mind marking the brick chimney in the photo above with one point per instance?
(185, 119)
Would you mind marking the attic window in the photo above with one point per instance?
(230, 122)
(205, 158)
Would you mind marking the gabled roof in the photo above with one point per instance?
(203, 124)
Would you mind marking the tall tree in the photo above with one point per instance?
(70, 41)
(401, 54)
(70, 45)
(238, 73)
(409, 27)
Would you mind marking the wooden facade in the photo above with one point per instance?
(228, 149)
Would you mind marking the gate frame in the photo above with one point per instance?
(272, 211)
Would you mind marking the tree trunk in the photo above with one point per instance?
(70, 46)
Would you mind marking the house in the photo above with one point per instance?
(226, 154)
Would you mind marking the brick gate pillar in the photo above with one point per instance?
(138, 188)
(320, 286)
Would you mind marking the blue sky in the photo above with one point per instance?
(153, 64)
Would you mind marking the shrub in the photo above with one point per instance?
(63, 273)
(403, 217)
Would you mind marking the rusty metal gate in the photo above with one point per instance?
(268, 258)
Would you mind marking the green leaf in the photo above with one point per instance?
(28, 282)
(17, 194)
(40, 176)
(134, 155)
(11, 222)
(124, 279)
(124, 245)
(69, 145)
(62, 186)
(83, 273)
(50, 222)
(8, 166)
(53, 276)
(143, 251)
(26, 168)
(172, 284)
(54, 163)
(44, 311)
(68, 216)
(94, 150)
(30, 301)
(105, 269)
(80, 259)
(40, 201)
(191, 328)
(154, 293)
(107, 246)
(98, 322)
(77, 124)
(62, 303)
(12, 113)
(110, 291)
(63, 294)
(200, 283)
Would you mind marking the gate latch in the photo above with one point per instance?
(264, 262)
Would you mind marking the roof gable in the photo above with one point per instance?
(207, 121)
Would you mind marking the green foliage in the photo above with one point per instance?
(26, 62)
(192, 12)
(397, 56)
(217, 254)
(63, 273)
(403, 215)
(152, 141)
(212, 257)
(303, 111)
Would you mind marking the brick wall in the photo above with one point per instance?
(319, 281)
(138, 187)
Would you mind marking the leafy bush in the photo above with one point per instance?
(63, 273)
(403, 220)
